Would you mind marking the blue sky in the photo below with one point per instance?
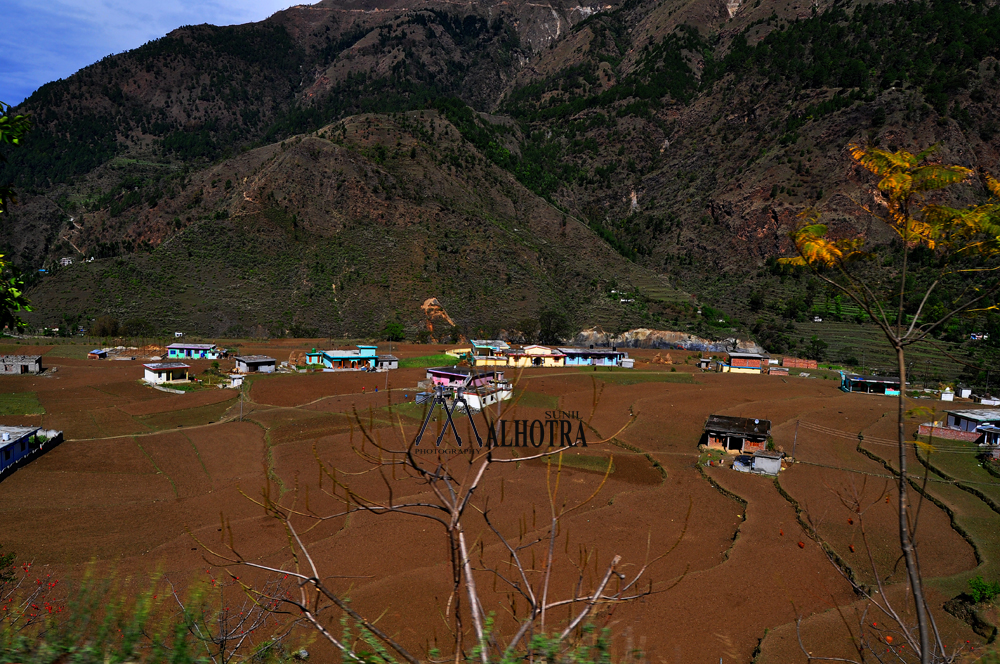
(44, 40)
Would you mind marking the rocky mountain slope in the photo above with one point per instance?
(687, 135)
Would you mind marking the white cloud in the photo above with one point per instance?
(45, 41)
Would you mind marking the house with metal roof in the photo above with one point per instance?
(386, 362)
(462, 377)
(972, 425)
(585, 357)
(165, 372)
(97, 354)
(20, 364)
(183, 351)
(489, 347)
(737, 435)
(359, 358)
(255, 364)
(19, 443)
(753, 363)
(536, 356)
(887, 385)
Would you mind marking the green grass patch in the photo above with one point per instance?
(597, 464)
(530, 399)
(439, 360)
(72, 351)
(629, 377)
(20, 403)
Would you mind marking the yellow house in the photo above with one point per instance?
(536, 356)
(490, 360)
(744, 363)
(459, 352)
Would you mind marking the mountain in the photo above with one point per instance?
(686, 135)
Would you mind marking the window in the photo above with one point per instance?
(6, 454)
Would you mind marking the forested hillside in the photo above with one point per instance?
(686, 136)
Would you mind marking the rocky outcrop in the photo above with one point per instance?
(437, 318)
(646, 338)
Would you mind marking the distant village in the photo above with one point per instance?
(476, 380)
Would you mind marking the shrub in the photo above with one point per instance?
(983, 591)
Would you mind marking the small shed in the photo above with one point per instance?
(704, 363)
(964, 392)
(97, 354)
(737, 434)
(255, 364)
(165, 372)
(386, 362)
(777, 371)
(766, 463)
(20, 364)
(947, 395)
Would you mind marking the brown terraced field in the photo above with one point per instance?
(145, 479)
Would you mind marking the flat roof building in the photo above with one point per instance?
(20, 364)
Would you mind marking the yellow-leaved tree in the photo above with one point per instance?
(965, 242)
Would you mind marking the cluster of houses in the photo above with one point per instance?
(748, 439)
(756, 363)
(497, 353)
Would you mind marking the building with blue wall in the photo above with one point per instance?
(193, 352)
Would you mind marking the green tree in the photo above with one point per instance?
(965, 245)
(12, 299)
(553, 327)
(393, 332)
(12, 130)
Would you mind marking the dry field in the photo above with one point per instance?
(146, 479)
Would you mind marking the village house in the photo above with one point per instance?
(359, 358)
(165, 372)
(585, 357)
(178, 351)
(744, 363)
(777, 371)
(535, 356)
(887, 385)
(20, 364)
(967, 425)
(462, 377)
(386, 362)
(97, 354)
(480, 388)
(737, 435)
(255, 364)
(18, 443)
(489, 352)
(990, 442)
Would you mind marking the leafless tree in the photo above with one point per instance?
(449, 486)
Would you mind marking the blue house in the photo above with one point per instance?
(887, 385)
(19, 443)
(359, 358)
(193, 352)
(585, 357)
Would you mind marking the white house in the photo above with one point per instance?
(166, 372)
(255, 364)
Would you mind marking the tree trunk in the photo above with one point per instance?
(905, 539)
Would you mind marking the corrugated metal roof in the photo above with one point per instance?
(983, 415)
(255, 359)
(738, 425)
(163, 366)
(894, 380)
(193, 346)
(20, 358)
